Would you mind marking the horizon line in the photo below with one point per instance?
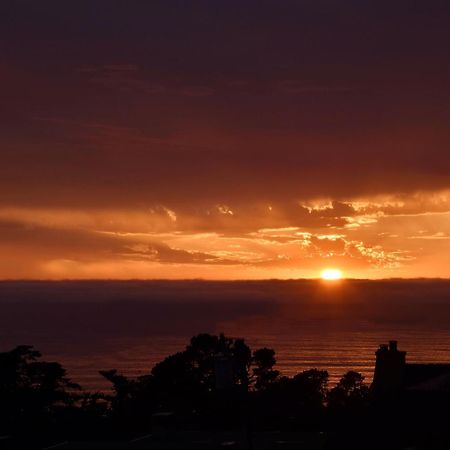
(221, 280)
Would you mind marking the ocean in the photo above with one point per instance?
(131, 325)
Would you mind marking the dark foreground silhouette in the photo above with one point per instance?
(218, 393)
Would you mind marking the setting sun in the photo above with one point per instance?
(331, 274)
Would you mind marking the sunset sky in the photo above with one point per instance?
(224, 139)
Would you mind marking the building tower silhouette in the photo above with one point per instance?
(389, 368)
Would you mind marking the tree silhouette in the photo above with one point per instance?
(31, 391)
(38, 401)
(186, 381)
(263, 372)
(311, 387)
(350, 393)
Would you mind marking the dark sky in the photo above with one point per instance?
(179, 118)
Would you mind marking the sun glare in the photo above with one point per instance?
(331, 274)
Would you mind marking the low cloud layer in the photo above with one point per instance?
(373, 237)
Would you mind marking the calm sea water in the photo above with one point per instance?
(129, 326)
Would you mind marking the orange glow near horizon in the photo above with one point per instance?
(331, 274)
(368, 238)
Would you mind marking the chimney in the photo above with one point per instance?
(393, 346)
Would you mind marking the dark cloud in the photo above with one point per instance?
(83, 245)
(164, 254)
(222, 101)
(54, 241)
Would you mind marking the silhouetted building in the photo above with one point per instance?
(393, 373)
